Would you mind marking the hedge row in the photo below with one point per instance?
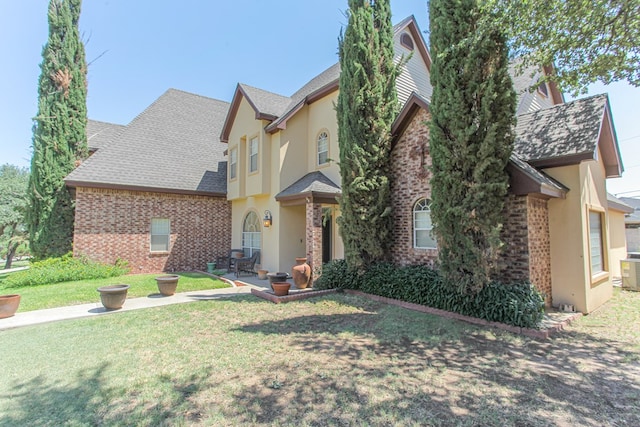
(518, 304)
(63, 269)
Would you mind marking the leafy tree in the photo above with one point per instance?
(367, 105)
(472, 133)
(59, 133)
(13, 201)
(586, 41)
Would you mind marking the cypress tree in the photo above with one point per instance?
(367, 104)
(59, 132)
(472, 134)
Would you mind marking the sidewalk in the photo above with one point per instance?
(96, 309)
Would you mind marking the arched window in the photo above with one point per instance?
(323, 148)
(422, 228)
(251, 234)
(406, 41)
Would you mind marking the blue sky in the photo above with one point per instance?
(138, 49)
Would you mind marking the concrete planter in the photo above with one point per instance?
(113, 296)
(167, 284)
(9, 305)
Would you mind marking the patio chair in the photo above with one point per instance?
(228, 262)
(247, 265)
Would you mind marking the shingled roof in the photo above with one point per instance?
(172, 146)
(314, 184)
(567, 134)
(100, 133)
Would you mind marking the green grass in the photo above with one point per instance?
(84, 291)
(335, 360)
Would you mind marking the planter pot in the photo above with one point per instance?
(262, 274)
(301, 273)
(281, 289)
(277, 277)
(113, 296)
(211, 266)
(8, 305)
(167, 284)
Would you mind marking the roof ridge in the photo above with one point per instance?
(172, 89)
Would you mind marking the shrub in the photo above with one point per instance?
(64, 269)
(518, 304)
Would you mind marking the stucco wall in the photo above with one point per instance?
(618, 241)
(112, 224)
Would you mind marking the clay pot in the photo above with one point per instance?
(277, 277)
(301, 273)
(167, 284)
(9, 305)
(262, 274)
(281, 289)
(113, 296)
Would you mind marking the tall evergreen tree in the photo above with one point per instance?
(367, 104)
(472, 134)
(59, 132)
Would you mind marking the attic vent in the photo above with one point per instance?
(406, 41)
(543, 89)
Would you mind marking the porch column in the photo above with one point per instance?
(314, 235)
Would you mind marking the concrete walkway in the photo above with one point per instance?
(96, 309)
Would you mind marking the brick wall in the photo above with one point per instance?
(539, 246)
(410, 178)
(112, 224)
(526, 254)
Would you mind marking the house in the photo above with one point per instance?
(632, 223)
(154, 192)
(192, 177)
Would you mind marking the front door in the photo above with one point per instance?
(326, 234)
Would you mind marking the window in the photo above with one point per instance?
(253, 154)
(160, 235)
(323, 148)
(406, 41)
(422, 228)
(233, 163)
(542, 88)
(596, 242)
(251, 234)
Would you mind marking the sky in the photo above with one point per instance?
(136, 50)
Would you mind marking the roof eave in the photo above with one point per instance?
(308, 197)
(124, 187)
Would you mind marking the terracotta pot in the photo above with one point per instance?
(167, 284)
(9, 305)
(281, 288)
(262, 274)
(301, 273)
(113, 296)
(277, 277)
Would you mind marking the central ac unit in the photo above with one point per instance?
(630, 274)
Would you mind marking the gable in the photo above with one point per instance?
(416, 69)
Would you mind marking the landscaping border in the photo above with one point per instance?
(543, 334)
(293, 296)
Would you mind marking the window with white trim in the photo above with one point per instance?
(323, 148)
(423, 237)
(251, 234)
(596, 242)
(233, 163)
(160, 234)
(253, 154)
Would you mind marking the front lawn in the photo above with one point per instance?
(335, 360)
(84, 291)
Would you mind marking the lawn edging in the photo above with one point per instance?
(295, 296)
(543, 334)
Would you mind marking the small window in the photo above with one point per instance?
(406, 41)
(233, 163)
(253, 154)
(542, 88)
(160, 234)
(251, 234)
(323, 148)
(422, 227)
(596, 242)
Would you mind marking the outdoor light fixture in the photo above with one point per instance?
(267, 219)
